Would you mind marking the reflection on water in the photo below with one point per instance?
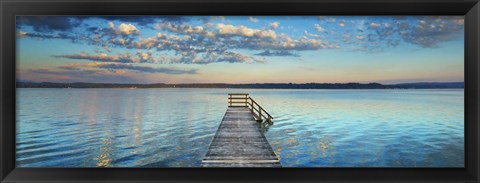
(367, 128)
(174, 127)
(104, 159)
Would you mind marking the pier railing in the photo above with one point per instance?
(238, 99)
(244, 100)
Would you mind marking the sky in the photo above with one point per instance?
(240, 49)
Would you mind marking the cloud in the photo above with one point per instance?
(277, 53)
(226, 37)
(342, 23)
(21, 34)
(185, 29)
(115, 68)
(103, 57)
(182, 56)
(181, 42)
(144, 56)
(274, 25)
(78, 75)
(334, 46)
(190, 44)
(213, 57)
(241, 30)
(282, 42)
(428, 32)
(319, 28)
(327, 19)
(143, 69)
(374, 25)
(123, 29)
(141, 43)
(48, 23)
(71, 66)
(346, 37)
(233, 57)
(104, 36)
(252, 19)
(71, 72)
(222, 18)
(142, 20)
(67, 23)
(424, 31)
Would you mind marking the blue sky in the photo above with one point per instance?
(240, 49)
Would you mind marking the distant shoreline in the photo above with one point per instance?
(420, 85)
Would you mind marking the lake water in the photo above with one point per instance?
(174, 127)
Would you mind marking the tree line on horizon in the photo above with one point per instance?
(423, 85)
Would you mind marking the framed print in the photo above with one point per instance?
(246, 91)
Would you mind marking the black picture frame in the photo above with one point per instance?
(10, 8)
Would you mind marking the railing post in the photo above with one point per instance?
(251, 104)
(259, 113)
(246, 100)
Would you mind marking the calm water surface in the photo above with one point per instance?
(174, 127)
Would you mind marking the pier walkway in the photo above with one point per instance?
(239, 141)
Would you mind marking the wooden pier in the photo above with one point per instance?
(239, 141)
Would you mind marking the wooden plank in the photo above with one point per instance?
(240, 161)
(232, 165)
(223, 157)
(239, 142)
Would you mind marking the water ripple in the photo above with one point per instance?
(174, 127)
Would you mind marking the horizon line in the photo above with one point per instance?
(245, 83)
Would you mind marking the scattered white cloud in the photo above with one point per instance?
(342, 23)
(245, 31)
(137, 68)
(102, 57)
(252, 19)
(209, 43)
(274, 25)
(124, 29)
(319, 28)
(374, 25)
